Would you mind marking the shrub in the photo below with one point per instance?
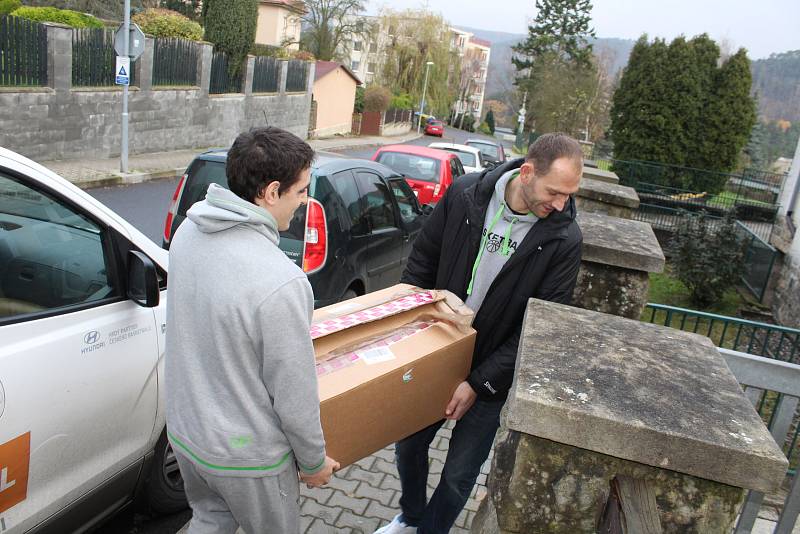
(401, 101)
(376, 98)
(231, 26)
(358, 106)
(484, 129)
(303, 55)
(269, 51)
(7, 6)
(168, 23)
(708, 260)
(59, 16)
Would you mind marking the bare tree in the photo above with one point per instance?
(331, 25)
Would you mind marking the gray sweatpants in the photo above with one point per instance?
(259, 505)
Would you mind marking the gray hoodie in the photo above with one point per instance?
(503, 231)
(241, 387)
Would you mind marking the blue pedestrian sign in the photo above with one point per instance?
(122, 71)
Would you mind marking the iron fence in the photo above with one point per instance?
(23, 52)
(396, 115)
(94, 59)
(222, 81)
(759, 258)
(296, 76)
(266, 72)
(174, 62)
(761, 339)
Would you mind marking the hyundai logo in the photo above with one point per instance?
(91, 337)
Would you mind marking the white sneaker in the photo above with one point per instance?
(396, 527)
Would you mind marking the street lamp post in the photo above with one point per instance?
(424, 88)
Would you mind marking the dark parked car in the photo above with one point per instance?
(353, 237)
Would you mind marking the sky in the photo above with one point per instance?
(762, 26)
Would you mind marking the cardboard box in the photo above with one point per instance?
(388, 364)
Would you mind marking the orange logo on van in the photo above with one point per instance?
(15, 458)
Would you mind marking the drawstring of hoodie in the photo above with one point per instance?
(504, 249)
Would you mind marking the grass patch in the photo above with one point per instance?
(668, 290)
(727, 199)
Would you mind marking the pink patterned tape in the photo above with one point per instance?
(408, 302)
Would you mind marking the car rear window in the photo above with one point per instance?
(487, 149)
(435, 123)
(467, 158)
(202, 173)
(411, 165)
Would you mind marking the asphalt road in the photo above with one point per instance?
(145, 207)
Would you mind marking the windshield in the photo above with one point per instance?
(411, 165)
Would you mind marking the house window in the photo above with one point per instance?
(357, 45)
(354, 65)
(371, 67)
(373, 47)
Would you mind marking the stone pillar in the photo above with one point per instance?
(597, 196)
(59, 57)
(618, 255)
(144, 66)
(598, 174)
(282, 75)
(204, 59)
(250, 68)
(601, 402)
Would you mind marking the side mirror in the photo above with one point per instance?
(427, 209)
(142, 280)
(489, 165)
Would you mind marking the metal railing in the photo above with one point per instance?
(773, 387)
(221, 79)
(23, 52)
(759, 258)
(761, 339)
(266, 72)
(296, 76)
(94, 59)
(174, 62)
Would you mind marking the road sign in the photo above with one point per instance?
(135, 41)
(122, 72)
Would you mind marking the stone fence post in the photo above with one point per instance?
(59, 57)
(144, 66)
(597, 196)
(614, 425)
(618, 255)
(204, 59)
(282, 76)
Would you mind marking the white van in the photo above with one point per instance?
(82, 320)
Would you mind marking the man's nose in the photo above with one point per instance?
(559, 203)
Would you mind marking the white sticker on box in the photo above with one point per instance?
(376, 355)
(345, 307)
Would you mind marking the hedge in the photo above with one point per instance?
(168, 23)
(60, 16)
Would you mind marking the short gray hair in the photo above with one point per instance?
(550, 147)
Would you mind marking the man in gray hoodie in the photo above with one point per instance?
(241, 388)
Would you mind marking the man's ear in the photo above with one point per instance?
(526, 172)
(269, 194)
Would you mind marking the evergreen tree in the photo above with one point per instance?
(555, 62)
(231, 26)
(490, 120)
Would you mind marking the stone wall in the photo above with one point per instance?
(786, 301)
(62, 122)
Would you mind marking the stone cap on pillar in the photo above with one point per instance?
(599, 174)
(641, 392)
(609, 193)
(620, 242)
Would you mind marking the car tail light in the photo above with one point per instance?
(173, 209)
(436, 190)
(315, 251)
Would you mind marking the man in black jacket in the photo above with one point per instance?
(496, 240)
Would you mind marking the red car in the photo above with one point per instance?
(428, 171)
(434, 128)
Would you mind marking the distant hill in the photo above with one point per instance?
(776, 82)
(501, 71)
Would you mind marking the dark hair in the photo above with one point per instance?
(550, 147)
(265, 155)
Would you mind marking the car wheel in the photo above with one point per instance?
(349, 294)
(164, 491)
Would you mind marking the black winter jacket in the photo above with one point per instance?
(545, 266)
